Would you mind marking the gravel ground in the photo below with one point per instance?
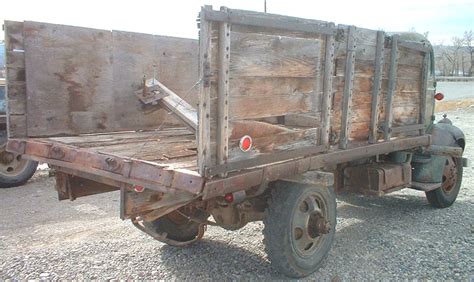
(398, 236)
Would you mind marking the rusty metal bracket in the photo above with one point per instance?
(150, 93)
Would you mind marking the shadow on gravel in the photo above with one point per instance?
(219, 258)
(371, 214)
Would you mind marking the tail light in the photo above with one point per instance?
(245, 143)
(138, 188)
(439, 96)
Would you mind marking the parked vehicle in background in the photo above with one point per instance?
(14, 170)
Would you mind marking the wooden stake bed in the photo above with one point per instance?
(309, 94)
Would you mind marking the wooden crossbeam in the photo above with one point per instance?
(155, 92)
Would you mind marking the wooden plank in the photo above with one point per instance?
(423, 91)
(223, 93)
(418, 46)
(78, 80)
(15, 80)
(16, 126)
(327, 90)
(408, 128)
(379, 62)
(94, 74)
(173, 103)
(348, 88)
(267, 20)
(252, 87)
(204, 128)
(257, 55)
(173, 61)
(392, 81)
(242, 107)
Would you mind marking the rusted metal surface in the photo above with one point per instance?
(254, 177)
(73, 187)
(127, 170)
(378, 178)
(318, 178)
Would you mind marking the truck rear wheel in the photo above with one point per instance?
(14, 170)
(299, 228)
(445, 196)
(177, 228)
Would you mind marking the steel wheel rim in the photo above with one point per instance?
(450, 176)
(309, 225)
(11, 164)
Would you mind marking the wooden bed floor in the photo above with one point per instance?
(175, 147)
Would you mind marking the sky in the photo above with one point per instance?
(443, 19)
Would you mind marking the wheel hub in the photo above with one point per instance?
(310, 224)
(318, 225)
(450, 175)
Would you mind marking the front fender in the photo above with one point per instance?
(428, 168)
(446, 134)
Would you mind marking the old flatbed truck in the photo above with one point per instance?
(264, 118)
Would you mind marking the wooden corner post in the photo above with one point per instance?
(204, 124)
(327, 89)
(379, 62)
(348, 88)
(392, 83)
(223, 92)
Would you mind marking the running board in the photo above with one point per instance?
(424, 186)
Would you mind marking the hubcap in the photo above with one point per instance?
(309, 225)
(450, 175)
(11, 164)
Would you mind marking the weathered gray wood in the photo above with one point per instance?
(78, 79)
(94, 75)
(377, 86)
(327, 90)
(172, 61)
(267, 20)
(256, 55)
(414, 45)
(204, 128)
(407, 128)
(15, 80)
(348, 88)
(423, 91)
(392, 81)
(174, 104)
(242, 107)
(223, 93)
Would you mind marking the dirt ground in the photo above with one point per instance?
(398, 236)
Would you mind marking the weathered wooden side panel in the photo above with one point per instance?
(279, 68)
(91, 76)
(15, 83)
(72, 93)
(173, 61)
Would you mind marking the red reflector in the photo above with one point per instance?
(245, 143)
(229, 197)
(439, 96)
(139, 188)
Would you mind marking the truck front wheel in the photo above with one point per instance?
(299, 227)
(14, 170)
(445, 196)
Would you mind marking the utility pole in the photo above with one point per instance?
(265, 6)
